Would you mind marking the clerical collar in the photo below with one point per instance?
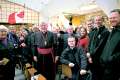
(72, 48)
(99, 26)
(44, 33)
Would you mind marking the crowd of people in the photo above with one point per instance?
(94, 49)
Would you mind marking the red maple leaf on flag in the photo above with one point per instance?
(11, 18)
(21, 14)
(16, 17)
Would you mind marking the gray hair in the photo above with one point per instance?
(3, 28)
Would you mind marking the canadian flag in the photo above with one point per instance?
(16, 17)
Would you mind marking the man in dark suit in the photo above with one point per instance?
(98, 38)
(110, 58)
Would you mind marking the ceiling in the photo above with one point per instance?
(52, 7)
(48, 8)
(39, 4)
(33, 4)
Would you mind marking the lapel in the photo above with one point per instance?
(113, 40)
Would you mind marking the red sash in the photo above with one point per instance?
(44, 50)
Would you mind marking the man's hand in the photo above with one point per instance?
(88, 55)
(71, 64)
(56, 59)
(83, 72)
(35, 58)
(90, 60)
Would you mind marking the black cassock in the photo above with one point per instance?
(44, 50)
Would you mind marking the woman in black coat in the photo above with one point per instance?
(7, 66)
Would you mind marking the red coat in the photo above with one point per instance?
(83, 42)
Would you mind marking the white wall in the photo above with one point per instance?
(108, 5)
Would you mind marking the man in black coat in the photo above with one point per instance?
(98, 38)
(110, 58)
(75, 58)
